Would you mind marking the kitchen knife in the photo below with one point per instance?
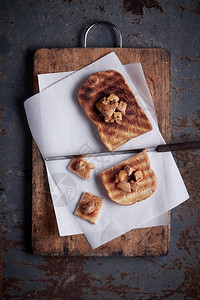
(159, 148)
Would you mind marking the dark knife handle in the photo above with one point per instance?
(178, 146)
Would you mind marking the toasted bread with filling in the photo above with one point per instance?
(89, 207)
(81, 167)
(130, 181)
(132, 121)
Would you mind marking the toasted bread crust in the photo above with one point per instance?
(147, 185)
(135, 122)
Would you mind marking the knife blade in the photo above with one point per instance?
(159, 148)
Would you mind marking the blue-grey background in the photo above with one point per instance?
(28, 25)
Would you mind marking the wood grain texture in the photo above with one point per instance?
(152, 241)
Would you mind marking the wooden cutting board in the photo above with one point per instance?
(152, 241)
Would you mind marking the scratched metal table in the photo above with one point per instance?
(29, 25)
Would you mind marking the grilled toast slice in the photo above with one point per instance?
(102, 85)
(89, 207)
(81, 167)
(130, 181)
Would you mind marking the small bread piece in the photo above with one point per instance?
(81, 167)
(141, 178)
(94, 95)
(89, 207)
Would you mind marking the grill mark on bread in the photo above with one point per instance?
(134, 122)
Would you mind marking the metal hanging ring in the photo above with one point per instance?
(102, 22)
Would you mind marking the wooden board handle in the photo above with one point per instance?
(178, 146)
(106, 23)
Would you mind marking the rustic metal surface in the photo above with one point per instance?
(29, 25)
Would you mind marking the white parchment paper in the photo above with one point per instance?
(136, 74)
(59, 126)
